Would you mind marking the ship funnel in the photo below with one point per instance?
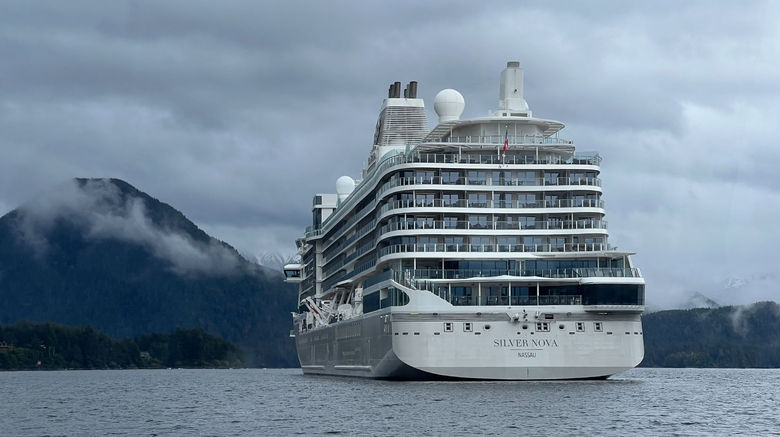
(511, 91)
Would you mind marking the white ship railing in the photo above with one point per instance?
(488, 157)
(578, 272)
(497, 182)
(398, 224)
(490, 203)
(503, 248)
(499, 139)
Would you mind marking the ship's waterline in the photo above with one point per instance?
(475, 250)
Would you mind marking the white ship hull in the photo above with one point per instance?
(410, 345)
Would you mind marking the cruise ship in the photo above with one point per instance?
(474, 250)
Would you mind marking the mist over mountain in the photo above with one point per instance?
(731, 290)
(100, 252)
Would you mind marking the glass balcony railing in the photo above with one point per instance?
(515, 140)
(489, 203)
(584, 272)
(511, 157)
(476, 248)
(507, 182)
(400, 225)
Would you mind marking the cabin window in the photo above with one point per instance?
(450, 177)
(477, 177)
(543, 326)
(450, 199)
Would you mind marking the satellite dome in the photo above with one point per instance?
(344, 186)
(448, 105)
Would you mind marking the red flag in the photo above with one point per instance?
(506, 140)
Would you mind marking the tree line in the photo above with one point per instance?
(735, 337)
(27, 346)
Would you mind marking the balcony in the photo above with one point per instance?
(491, 248)
(513, 158)
(400, 159)
(398, 225)
(489, 203)
(586, 272)
(499, 182)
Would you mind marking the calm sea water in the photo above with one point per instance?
(285, 402)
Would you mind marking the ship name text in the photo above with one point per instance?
(524, 342)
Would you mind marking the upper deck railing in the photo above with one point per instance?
(515, 140)
(424, 224)
(584, 272)
(489, 203)
(491, 157)
(488, 248)
(494, 181)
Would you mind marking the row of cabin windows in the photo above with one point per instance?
(586, 294)
(489, 241)
(540, 326)
(522, 177)
(457, 221)
(499, 199)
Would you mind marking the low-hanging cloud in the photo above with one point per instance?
(100, 210)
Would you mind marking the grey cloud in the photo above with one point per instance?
(238, 113)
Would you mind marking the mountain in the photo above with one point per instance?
(698, 300)
(99, 252)
(732, 336)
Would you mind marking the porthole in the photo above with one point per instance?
(487, 327)
(525, 326)
(561, 326)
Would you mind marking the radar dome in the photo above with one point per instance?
(448, 105)
(344, 187)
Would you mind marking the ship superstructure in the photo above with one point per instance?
(476, 250)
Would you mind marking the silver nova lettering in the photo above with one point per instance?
(523, 342)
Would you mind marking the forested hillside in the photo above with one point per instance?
(26, 346)
(744, 336)
(99, 252)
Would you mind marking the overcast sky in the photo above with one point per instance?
(237, 112)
